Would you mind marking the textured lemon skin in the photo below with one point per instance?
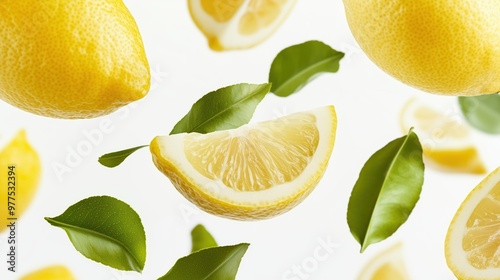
(449, 47)
(54, 272)
(22, 155)
(70, 59)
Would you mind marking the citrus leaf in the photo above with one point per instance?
(297, 65)
(482, 112)
(226, 108)
(214, 263)
(106, 230)
(116, 158)
(201, 239)
(386, 191)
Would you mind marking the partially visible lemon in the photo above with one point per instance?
(448, 47)
(238, 24)
(70, 59)
(446, 140)
(252, 172)
(20, 154)
(387, 265)
(473, 240)
(54, 272)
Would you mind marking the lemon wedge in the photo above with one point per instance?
(473, 240)
(54, 272)
(238, 24)
(387, 265)
(446, 140)
(252, 172)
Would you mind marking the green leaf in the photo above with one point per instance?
(297, 65)
(216, 263)
(201, 239)
(226, 108)
(106, 230)
(116, 158)
(482, 112)
(387, 190)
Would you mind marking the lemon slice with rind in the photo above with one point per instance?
(252, 172)
(238, 24)
(387, 265)
(472, 246)
(446, 139)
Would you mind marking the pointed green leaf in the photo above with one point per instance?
(106, 230)
(297, 65)
(386, 191)
(216, 263)
(116, 158)
(201, 239)
(482, 112)
(226, 108)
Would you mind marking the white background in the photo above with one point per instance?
(367, 101)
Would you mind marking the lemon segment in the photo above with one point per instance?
(23, 156)
(253, 172)
(446, 141)
(238, 24)
(387, 265)
(444, 47)
(473, 238)
(54, 272)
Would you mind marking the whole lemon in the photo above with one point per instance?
(20, 170)
(448, 47)
(70, 58)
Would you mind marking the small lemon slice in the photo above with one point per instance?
(24, 180)
(54, 272)
(238, 24)
(473, 240)
(387, 265)
(252, 172)
(445, 138)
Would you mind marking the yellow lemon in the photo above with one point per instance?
(448, 47)
(473, 239)
(252, 172)
(238, 24)
(446, 140)
(19, 177)
(70, 59)
(387, 265)
(54, 272)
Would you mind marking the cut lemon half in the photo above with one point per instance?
(472, 246)
(252, 172)
(387, 265)
(446, 139)
(54, 272)
(238, 24)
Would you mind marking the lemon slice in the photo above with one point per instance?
(253, 172)
(238, 24)
(446, 140)
(54, 272)
(473, 240)
(387, 265)
(19, 153)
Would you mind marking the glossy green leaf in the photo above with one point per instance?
(386, 191)
(226, 108)
(482, 112)
(297, 65)
(201, 239)
(106, 230)
(116, 158)
(216, 263)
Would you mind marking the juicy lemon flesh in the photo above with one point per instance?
(481, 241)
(23, 156)
(387, 265)
(389, 271)
(71, 59)
(55, 272)
(259, 159)
(444, 47)
(260, 14)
